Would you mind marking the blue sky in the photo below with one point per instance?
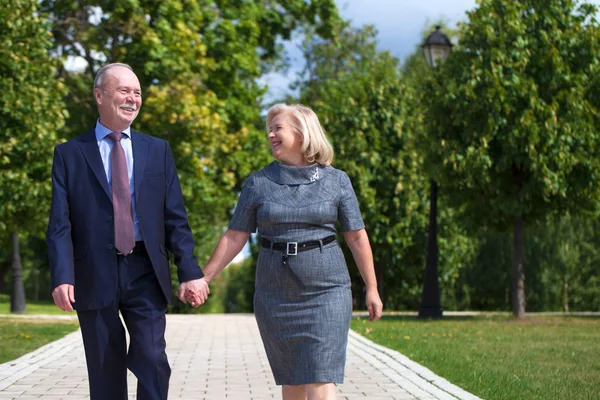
(400, 24)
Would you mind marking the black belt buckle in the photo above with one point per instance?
(291, 248)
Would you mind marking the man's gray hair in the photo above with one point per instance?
(102, 72)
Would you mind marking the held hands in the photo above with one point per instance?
(64, 296)
(374, 305)
(194, 292)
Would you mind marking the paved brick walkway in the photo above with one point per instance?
(215, 357)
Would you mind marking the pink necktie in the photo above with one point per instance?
(124, 236)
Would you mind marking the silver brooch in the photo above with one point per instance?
(315, 176)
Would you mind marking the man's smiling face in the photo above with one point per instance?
(119, 99)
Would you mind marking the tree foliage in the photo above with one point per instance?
(369, 110)
(31, 113)
(564, 258)
(562, 268)
(514, 116)
(514, 111)
(357, 93)
(199, 64)
(508, 127)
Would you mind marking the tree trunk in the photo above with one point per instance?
(518, 275)
(566, 294)
(17, 300)
(431, 305)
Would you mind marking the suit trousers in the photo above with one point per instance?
(143, 307)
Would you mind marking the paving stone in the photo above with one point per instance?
(222, 357)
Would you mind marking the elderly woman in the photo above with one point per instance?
(302, 302)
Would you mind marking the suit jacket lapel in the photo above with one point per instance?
(89, 148)
(140, 152)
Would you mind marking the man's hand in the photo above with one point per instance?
(64, 296)
(194, 292)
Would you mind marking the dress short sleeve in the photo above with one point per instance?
(244, 216)
(348, 210)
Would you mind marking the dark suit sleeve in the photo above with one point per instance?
(178, 234)
(58, 236)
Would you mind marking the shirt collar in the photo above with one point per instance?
(102, 131)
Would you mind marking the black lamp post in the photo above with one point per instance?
(436, 49)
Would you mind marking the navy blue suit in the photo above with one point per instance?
(81, 250)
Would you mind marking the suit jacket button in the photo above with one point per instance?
(110, 218)
(110, 246)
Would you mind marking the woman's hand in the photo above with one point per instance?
(194, 292)
(374, 305)
(358, 241)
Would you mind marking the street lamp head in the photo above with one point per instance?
(437, 47)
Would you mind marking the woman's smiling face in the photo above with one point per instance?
(286, 143)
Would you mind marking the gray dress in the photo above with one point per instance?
(303, 307)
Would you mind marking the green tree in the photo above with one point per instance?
(484, 284)
(562, 262)
(563, 253)
(514, 116)
(31, 114)
(357, 93)
(199, 64)
(370, 114)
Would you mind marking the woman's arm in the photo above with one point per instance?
(358, 241)
(230, 244)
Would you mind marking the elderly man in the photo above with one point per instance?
(117, 208)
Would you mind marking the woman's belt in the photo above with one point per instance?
(293, 248)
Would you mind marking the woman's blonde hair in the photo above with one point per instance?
(315, 145)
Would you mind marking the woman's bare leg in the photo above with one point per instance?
(320, 391)
(296, 392)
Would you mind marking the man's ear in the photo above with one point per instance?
(98, 95)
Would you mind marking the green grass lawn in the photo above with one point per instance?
(32, 307)
(21, 336)
(36, 308)
(499, 358)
